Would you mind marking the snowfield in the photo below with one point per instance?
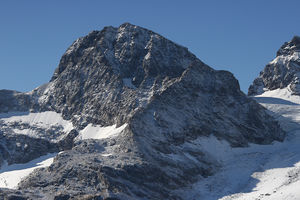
(258, 172)
(47, 125)
(11, 175)
(43, 119)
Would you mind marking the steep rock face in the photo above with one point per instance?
(103, 77)
(282, 72)
(22, 148)
(108, 76)
(167, 98)
(215, 106)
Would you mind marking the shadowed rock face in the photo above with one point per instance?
(12, 101)
(168, 98)
(288, 48)
(22, 149)
(282, 72)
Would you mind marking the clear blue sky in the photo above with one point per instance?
(236, 35)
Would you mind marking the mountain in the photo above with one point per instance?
(129, 111)
(282, 72)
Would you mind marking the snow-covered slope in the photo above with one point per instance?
(265, 172)
(11, 175)
(46, 125)
(261, 172)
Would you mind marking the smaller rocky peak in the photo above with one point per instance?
(282, 72)
(288, 48)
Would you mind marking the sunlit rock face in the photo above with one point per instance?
(282, 72)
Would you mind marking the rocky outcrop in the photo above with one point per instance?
(13, 101)
(167, 98)
(282, 72)
(22, 148)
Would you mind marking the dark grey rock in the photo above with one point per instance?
(22, 148)
(67, 142)
(13, 101)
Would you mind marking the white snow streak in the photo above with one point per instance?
(98, 132)
(147, 56)
(42, 120)
(284, 59)
(11, 175)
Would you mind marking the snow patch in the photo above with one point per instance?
(218, 149)
(280, 94)
(99, 132)
(48, 125)
(11, 175)
(106, 154)
(42, 119)
(147, 56)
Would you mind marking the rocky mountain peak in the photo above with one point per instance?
(129, 59)
(131, 51)
(282, 72)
